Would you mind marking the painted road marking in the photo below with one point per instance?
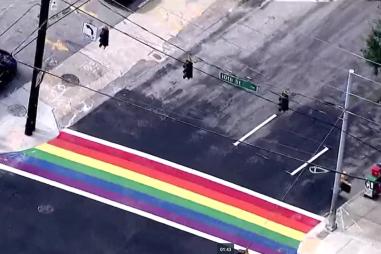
(255, 129)
(171, 188)
(194, 172)
(309, 161)
(57, 45)
(117, 205)
(164, 193)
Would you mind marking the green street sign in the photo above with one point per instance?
(238, 82)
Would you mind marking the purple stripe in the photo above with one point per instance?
(139, 204)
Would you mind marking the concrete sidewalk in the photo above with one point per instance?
(359, 230)
(95, 68)
(12, 122)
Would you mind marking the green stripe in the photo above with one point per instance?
(163, 196)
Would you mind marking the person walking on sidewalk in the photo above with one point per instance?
(103, 37)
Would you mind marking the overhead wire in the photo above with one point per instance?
(172, 44)
(317, 150)
(258, 72)
(162, 114)
(336, 46)
(19, 48)
(217, 78)
(18, 19)
(184, 122)
(158, 36)
(367, 79)
(185, 51)
(337, 67)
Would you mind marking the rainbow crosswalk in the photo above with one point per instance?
(163, 191)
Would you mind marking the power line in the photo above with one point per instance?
(337, 67)
(174, 45)
(206, 62)
(158, 36)
(49, 25)
(317, 149)
(354, 95)
(154, 111)
(188, 123)
(337, 47)
(368, 79)
(18, 19)
(148, 45)
(212, 76)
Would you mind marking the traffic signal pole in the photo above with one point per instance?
(332, 225)
(30, 125)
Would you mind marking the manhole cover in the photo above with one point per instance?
(323, 234)
(45, 209)
(156, 56)
(17, 110)
(70, 79)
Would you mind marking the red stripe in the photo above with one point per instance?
(244, 198)
(181, 183)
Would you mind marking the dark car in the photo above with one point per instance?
(8, 68)
(133, 5)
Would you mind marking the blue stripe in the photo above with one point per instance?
(173, 210)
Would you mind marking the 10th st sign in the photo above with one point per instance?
(238, 82)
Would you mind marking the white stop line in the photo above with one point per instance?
(310, 160)
(254, 130)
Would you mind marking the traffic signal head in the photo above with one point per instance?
(188, 69)
(283, 102)
(345, 186)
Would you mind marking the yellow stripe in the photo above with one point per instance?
(172, 189)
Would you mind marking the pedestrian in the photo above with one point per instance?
(103, 37)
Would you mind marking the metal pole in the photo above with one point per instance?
(30, 125)
(332, 225)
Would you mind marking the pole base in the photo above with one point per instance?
(29, 129)
(28, 132)
(331, 227)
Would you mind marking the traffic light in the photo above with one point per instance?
(188, 69)
(345, 185)
(103, 37)
(283, 102)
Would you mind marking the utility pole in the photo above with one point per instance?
(332, 225)
(30, 125)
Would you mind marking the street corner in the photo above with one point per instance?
(310, 245)
(168, 18)
(313, 240)
(13, 138)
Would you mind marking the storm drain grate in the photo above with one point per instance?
(70, 79)
(17, 110)
(157, 56)
(323, 234)
(45, 209)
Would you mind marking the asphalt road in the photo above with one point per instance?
(224, 110)
(64, 217)
(280, 46)
(245, 165)
(42, 219)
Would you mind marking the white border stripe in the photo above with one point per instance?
(117, 205)
(255, 129)
(195, 172)
(309, 161)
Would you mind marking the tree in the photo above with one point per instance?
(373, 47)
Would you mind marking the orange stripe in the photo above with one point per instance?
(202, 190)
